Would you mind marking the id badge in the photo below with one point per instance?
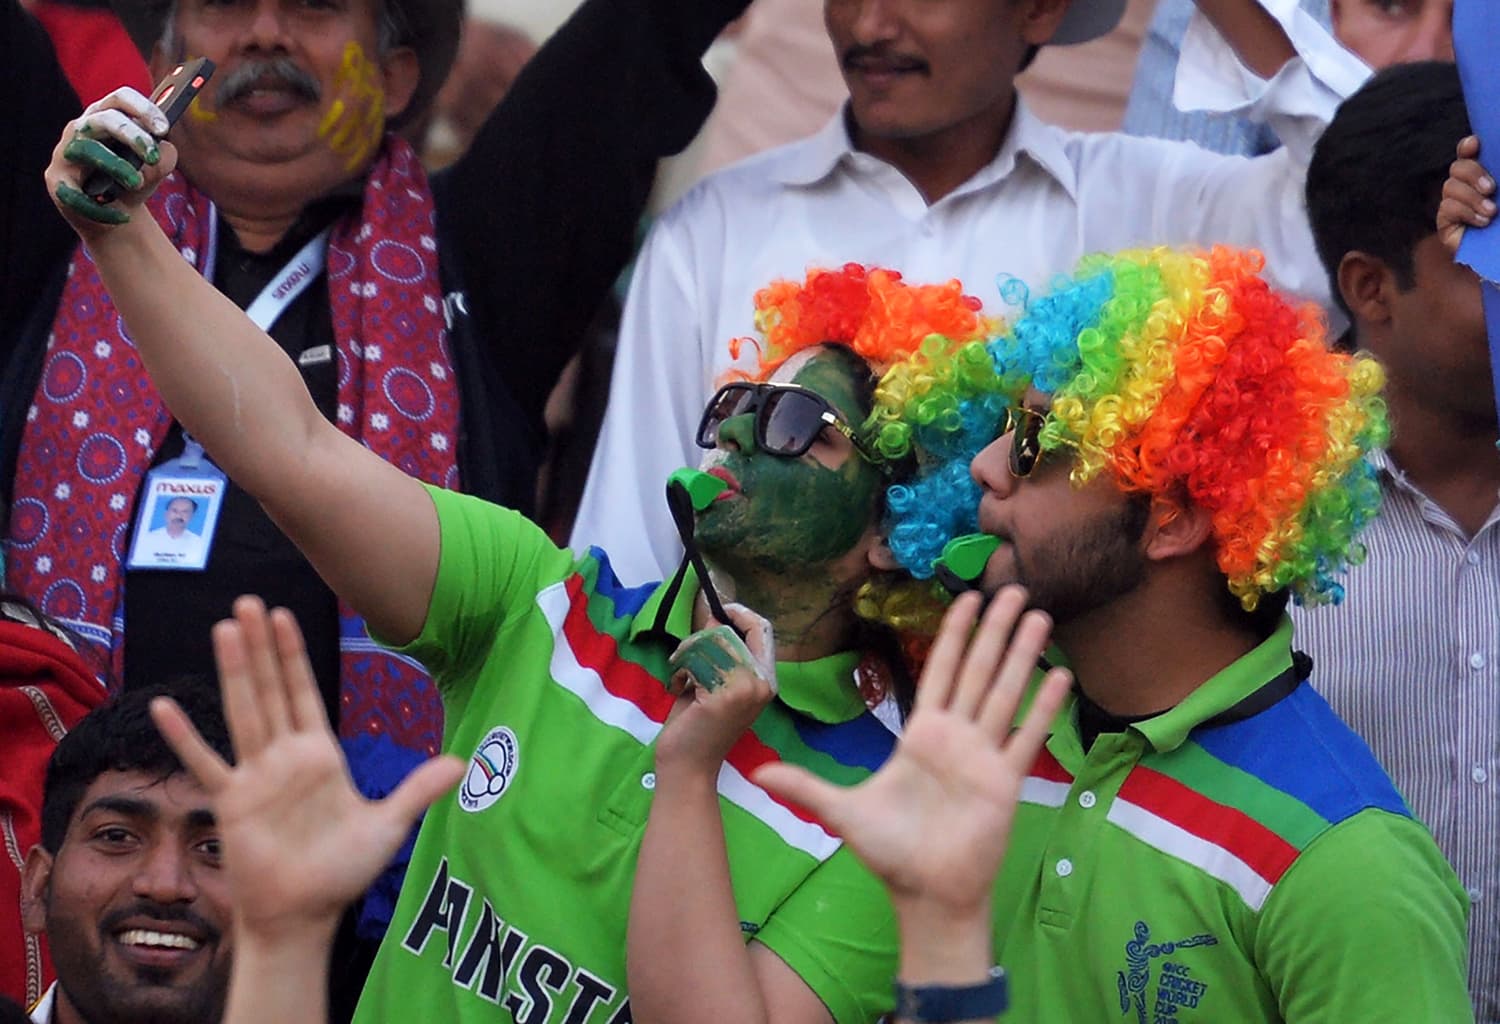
(178, 512)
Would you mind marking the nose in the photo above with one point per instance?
(737, 433)
(1432, 36)
(874, 22)
(990, 469)
(166, 875)
(268, 29)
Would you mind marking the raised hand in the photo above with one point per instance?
(1468, 196)
(934, 821)
(723, 683)
(299, 840)
(128, 117)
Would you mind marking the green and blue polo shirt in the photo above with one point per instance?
(1216, 867)
(517, 898)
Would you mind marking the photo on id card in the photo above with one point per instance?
(175, 527)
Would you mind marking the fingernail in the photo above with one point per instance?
(1489, 207)
(1487, 184)
(153, 156)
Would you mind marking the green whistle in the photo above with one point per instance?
(702, 488)
(966, 556)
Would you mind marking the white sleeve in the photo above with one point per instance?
(655, 400)
(1298, 102)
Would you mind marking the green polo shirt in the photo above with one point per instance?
(516, 902)
(1222, 863)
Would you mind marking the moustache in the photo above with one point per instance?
(160, 912)
(282, 71)
(856, 56)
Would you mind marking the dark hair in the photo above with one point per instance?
(1377, 174)
(12, 1013)
(120, 736)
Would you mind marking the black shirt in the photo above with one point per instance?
(169, 613)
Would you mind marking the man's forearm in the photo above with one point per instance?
(686, 959)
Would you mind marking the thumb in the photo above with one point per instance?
(801, 786)
(419, 790)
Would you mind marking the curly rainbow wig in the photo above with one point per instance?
(1181, 374)
(898, 329)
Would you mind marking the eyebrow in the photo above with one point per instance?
(131, 807)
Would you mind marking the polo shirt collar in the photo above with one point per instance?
(822, 689)
(1168, 730)
(819, 155)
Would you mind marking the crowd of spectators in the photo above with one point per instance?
(741, 510)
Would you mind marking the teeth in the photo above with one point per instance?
(167, 940)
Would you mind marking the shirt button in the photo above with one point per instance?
(1476, 660)
(648, 781)
(1475, 893)
(1479, 775)
(1064, 868)
(1472, 558)
(1087, 799)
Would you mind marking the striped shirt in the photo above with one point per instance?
(1411, 660)
(1226, 862)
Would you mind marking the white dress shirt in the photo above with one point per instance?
(1411, 660)
(41, 1013)
(1047, 198)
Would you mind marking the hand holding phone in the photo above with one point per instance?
(173, 95)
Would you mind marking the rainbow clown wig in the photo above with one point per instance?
(897, 328)
(1182, 374)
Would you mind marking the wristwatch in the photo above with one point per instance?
(939, 1004)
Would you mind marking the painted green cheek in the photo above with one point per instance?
(93, 153)
(80, 203)
(709, 657)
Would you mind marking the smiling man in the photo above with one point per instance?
(126, 884)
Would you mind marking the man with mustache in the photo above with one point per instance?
(936, 168)
(126, 883)
(428, 318)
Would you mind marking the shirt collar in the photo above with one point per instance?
(41, 1013)
(1168, 730)
(817, 156)
(1273, 656)
(823, 689)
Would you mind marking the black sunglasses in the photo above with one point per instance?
(1025, 426)
(788, 418)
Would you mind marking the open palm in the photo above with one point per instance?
(300, 842)
(934, 821)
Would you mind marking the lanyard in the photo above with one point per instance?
(288, 283)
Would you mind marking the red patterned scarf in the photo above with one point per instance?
(97, 423)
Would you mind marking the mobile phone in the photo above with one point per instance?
(173, 94)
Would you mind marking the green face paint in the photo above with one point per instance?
(710, 656)
(93, 153)
(75, 200)
(789, 515)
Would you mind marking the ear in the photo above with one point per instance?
(1040, 18)
(1366, 284)
(882, 557)
(400, 72)
(36, 874)
(1176, 527)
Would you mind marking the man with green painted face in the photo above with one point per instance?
(579, 762)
